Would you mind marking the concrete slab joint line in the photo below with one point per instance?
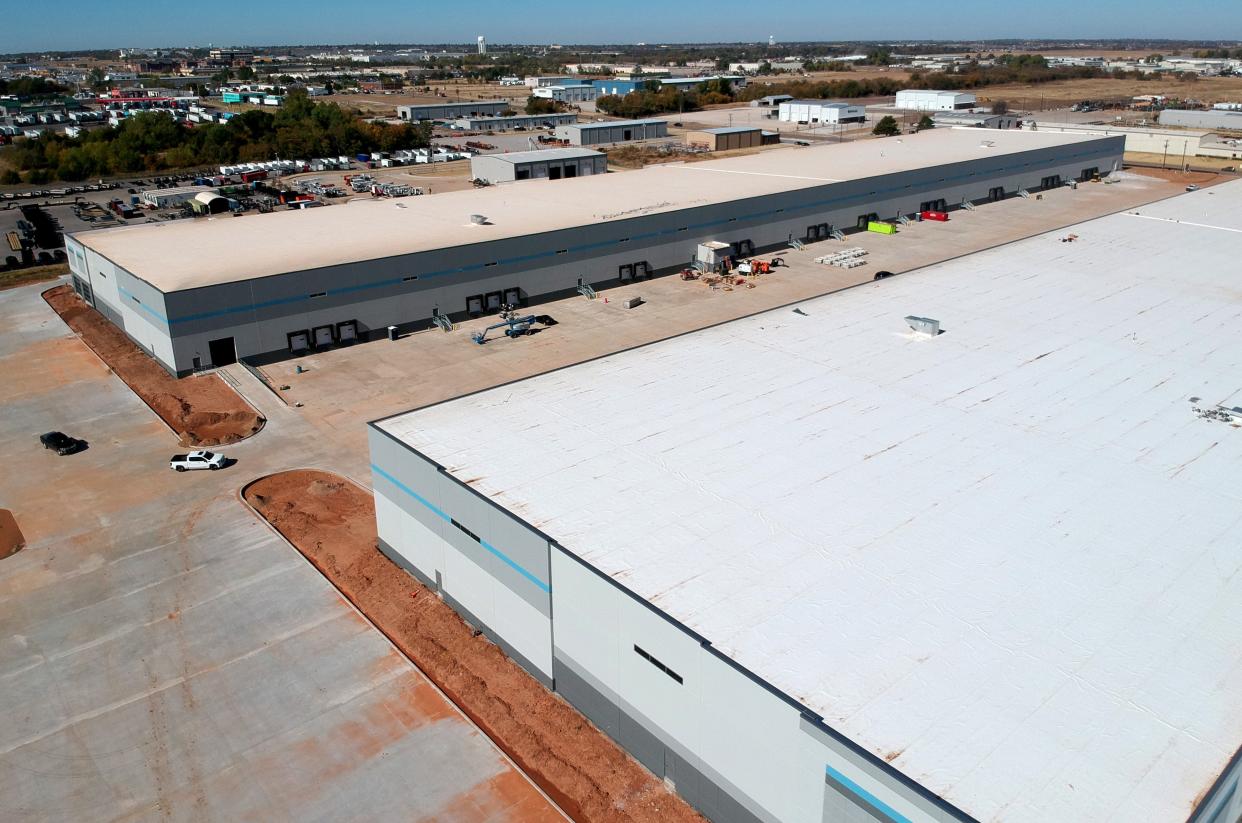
(504, 558)
(241, 497)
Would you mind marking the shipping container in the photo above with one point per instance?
(935, 215)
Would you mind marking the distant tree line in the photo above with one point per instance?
(31, 87)
(1023, 69)
(151, 141)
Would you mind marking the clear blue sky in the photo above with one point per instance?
(79, 24)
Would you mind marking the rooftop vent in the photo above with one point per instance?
(923, 325)
(478, 219)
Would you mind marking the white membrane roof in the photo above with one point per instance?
(186, 254)
(1007, 559)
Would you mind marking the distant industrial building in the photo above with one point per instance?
(771, 100)
(538, 82)
(516, 121)
(981, 120)
(929, 100)
(820, 112)
(167, 198)
(722, 139)
(197, 294)
(570, 93)
(549, 164)
(612, 131)
(962, 546)
(1227, 119)
(230, 57)
(623, 87)
(451, 111)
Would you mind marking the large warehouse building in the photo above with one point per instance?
(812, 566)
(1225, 119)
(201, 293)
(612, 131)
(452, 111)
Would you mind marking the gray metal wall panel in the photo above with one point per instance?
(586, 698)
(711, 794)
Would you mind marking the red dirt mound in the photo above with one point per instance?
(203, 410)
(11, 540)
(332, 522)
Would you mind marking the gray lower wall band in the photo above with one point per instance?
(700, 785)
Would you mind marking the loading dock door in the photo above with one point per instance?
(493, 301)
(474, 304)
(323, 336)
(347, 332)
(627, 272)
(222, 351)
(513, 297)
(299, 341)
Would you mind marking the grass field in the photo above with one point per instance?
(35, 274)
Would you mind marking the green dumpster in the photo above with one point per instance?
(881, 228)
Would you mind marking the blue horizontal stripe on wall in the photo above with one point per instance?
(508, 561)
(740, 221)
(866, 796)
(138, 304)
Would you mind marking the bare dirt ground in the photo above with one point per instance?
(1067, 92)
(1203, 179)
(1174, 162)
(332, 522)
(202, 410)
(11, 540)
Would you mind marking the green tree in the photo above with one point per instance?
(886, 127)
(10, 178)
(925, 122)
(245, 73)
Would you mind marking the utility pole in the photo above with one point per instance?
(1165, 156)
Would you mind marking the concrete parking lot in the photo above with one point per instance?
(165, 655)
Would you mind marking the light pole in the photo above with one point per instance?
(1165, 156)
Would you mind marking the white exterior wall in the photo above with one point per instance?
(797, 112)
(928, 100)
(739, 735)
(139, 316)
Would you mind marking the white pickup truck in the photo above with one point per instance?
(197, 460)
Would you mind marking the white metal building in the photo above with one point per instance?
(811, 566)
(930, 100)
(1227, 119)
(166, 198)
(203, 293)
(541, 164)
(814, 112)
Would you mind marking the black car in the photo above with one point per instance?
(62, 443)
